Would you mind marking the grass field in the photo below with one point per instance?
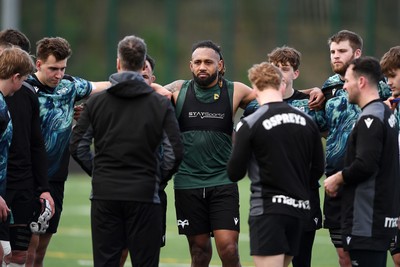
(71, 246)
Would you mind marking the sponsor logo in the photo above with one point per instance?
(316, 220)
(301, 108)
(300, 204)
(391, 222)
(392, 121)
(368, 122)
(284, 118)
(348, 239)
(183, 223)
(354, 263)
(206, 115)
(235, 220)
(62, 91)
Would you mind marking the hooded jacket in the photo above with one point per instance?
(128, 122)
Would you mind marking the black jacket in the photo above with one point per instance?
(27, 159)
(128, 123)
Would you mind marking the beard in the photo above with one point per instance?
(339, 69)
(205, 82)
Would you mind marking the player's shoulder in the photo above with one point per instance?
(73, 79)
(175, 86)
(239, 85)
(332, 81)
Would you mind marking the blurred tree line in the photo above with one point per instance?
(247, 31)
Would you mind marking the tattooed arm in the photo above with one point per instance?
(174, 88)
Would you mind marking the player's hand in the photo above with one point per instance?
(316, 100)
(392, 102)
(387, 102)
(332, 184)
(47, 196)
(4, 210)
(78, 110)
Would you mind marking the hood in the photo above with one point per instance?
(128, 84)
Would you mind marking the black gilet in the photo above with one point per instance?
(199, 116)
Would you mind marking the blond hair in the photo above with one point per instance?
(14, 60)
(265, 75)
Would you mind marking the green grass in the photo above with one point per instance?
(71, 246)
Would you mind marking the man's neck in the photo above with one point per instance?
(269, 95)
(211, 85)
(288, 93)
(39, 78)
(368, 97)
(3, 85)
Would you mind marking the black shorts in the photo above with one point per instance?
(4, 229)
(336, 237)
(332, 210)
(21, 203)
(275, 234)
(57, 193)
(203, 210)
(395, 244)
(368, 258)
(352, 243)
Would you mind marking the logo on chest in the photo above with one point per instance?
(205, 115)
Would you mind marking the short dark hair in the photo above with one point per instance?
(285, 54)
(390, 61)
(367, 66)
(151, 61)
(356, 42)
(208, 44)
(15, 37)
(213, 46)
(132, 52)
(55, 46)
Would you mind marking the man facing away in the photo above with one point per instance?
(287, 59)
(206, 201)
(149, 78)
(370, 177)
(127, 122)
(280, 148)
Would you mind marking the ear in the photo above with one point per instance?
(357, 53)
(220, 65)
(15, 77)
(282, 88)
(296, 74)
(152, 78)
(38, 64)
(118, 64)
(191, 65)
(362, 81)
